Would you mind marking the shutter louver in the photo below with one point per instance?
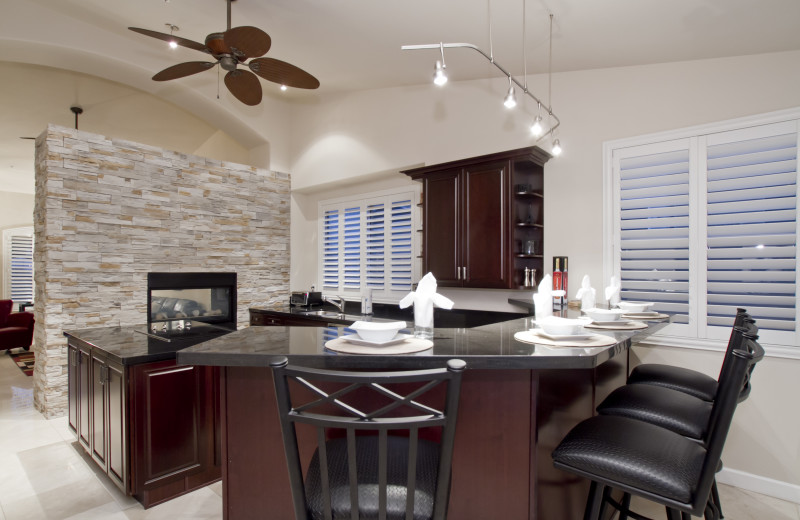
(375, 246)
(654, 231)
(752, 231)
(330, 249)
(401, 246)
(352, 247)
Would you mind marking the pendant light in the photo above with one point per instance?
(439, 76)
(511, 98)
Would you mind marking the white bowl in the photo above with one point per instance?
(635, 306)
(556, 326)
(604, 314)
(377, 332)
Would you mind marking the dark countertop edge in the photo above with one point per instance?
(339, 361)
(127, 360)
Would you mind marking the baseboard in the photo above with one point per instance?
(758, 484)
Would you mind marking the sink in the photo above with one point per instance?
(349, 318)
(325, 314)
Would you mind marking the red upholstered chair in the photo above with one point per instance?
(16, 328)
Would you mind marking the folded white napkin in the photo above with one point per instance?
(586, 294)
(612, 292)
(543, 299)
(424, 299)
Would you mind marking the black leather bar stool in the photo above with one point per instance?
(675, 410)
(683, 379)
(646, 460)
(397, 476)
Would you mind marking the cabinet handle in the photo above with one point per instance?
(458, 273)
(464, 276)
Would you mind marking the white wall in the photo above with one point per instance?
(16, 210)
(349, 136)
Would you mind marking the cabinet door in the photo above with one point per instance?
(116, 425)
(168, 426)
(484, 229)
(441, 229)
(98, 404)
(84, 388)
(72, 386)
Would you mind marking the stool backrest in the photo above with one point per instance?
(350, 407)
(731, 384)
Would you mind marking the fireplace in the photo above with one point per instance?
(188, 304)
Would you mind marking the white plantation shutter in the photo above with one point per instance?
(368, 242)
(18, 259)
(654, 239)
(752, 227)
(708, 223)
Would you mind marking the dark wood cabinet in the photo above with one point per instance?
(153, 428)
(174, 440)
(479, 217)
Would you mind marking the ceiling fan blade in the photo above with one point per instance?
(283, 73)
(244, 85)
(183, 42)
(247, 42)
(183, 69)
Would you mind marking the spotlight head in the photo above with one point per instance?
(556, 148)
(439, 77)
(511, 98)
(536, 127)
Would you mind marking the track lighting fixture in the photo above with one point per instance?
(439, 77)
(510, 101)
(511, 98)
(536, 127)
(556, 148)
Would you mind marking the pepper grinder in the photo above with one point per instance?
(527, 277)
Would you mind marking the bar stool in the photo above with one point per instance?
(375, 475)
(646, 460)
(682, 379)
(673, 409)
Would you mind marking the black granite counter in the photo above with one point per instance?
(131, 345)
(490, 346)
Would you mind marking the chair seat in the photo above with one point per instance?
(627, 452)
(367, 463)
(682, 379)
(670, 409)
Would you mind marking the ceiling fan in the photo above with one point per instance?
(231, 49)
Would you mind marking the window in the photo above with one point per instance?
(705, 220)
(18, 264)
(369, 241)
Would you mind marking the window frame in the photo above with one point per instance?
(701, 336)
(364, 201)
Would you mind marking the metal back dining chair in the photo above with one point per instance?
(381, 467)
(646, 460)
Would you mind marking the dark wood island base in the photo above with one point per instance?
(509, 422)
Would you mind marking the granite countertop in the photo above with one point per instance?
(490, 347)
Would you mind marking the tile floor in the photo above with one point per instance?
(45, 474)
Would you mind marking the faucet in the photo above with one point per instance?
(338, 304)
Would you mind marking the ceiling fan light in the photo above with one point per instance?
(511, 98)
(556, 148)
(284, 88)
(439, 76)
(173, 44)
(536, 127)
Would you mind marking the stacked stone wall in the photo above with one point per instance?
(109, 211)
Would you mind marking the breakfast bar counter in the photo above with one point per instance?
(518, 400)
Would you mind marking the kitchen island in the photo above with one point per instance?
(518, 400)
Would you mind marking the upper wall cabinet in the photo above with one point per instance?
(482, 219)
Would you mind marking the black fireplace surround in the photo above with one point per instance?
(173, 299)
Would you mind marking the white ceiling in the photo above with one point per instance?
(355, 44)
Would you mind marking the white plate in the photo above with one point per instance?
(356, 340)
(558, 337)
(648, 314)
(613, 322)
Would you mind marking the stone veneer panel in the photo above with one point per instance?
(109, 211)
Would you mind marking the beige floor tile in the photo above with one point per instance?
(108, 511)
(202, 504)
(739, 504)
(72, 498)
(216, 487)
